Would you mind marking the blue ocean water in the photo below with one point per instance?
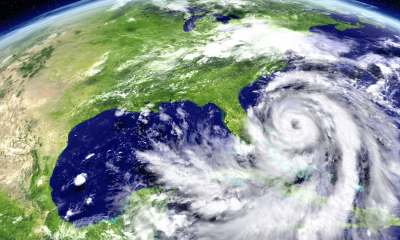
(368, 40)
(189, 24)
(224, 19)
(102, 149)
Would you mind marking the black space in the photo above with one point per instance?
(15, 12)
(391, 6)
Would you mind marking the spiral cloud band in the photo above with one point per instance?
(325, 151)
(318, 159)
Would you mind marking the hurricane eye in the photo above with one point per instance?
(295, 124)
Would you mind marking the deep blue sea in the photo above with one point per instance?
(103, 150)
(103, 147)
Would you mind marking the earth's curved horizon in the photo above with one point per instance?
(201, 120)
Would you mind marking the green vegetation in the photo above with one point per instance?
(297, 226)
(284, 14)
(36, 63)
(150, 59)
(15, 221)
(146, 65)
(365, 20)
(20, 92)
(144, 210)
(7, 87)
(40, 192)
(2, 93)
(372, 218)
(343, 27)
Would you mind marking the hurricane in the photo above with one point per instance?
(201, 120)
(323, 149)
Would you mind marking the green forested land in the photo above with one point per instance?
(17, 221)
(36, 63)
(372, 218)
(155, 71)
(154, 74)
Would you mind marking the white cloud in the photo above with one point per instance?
(327, 116)
(90, 155)
(80, 179)
(98, 66)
